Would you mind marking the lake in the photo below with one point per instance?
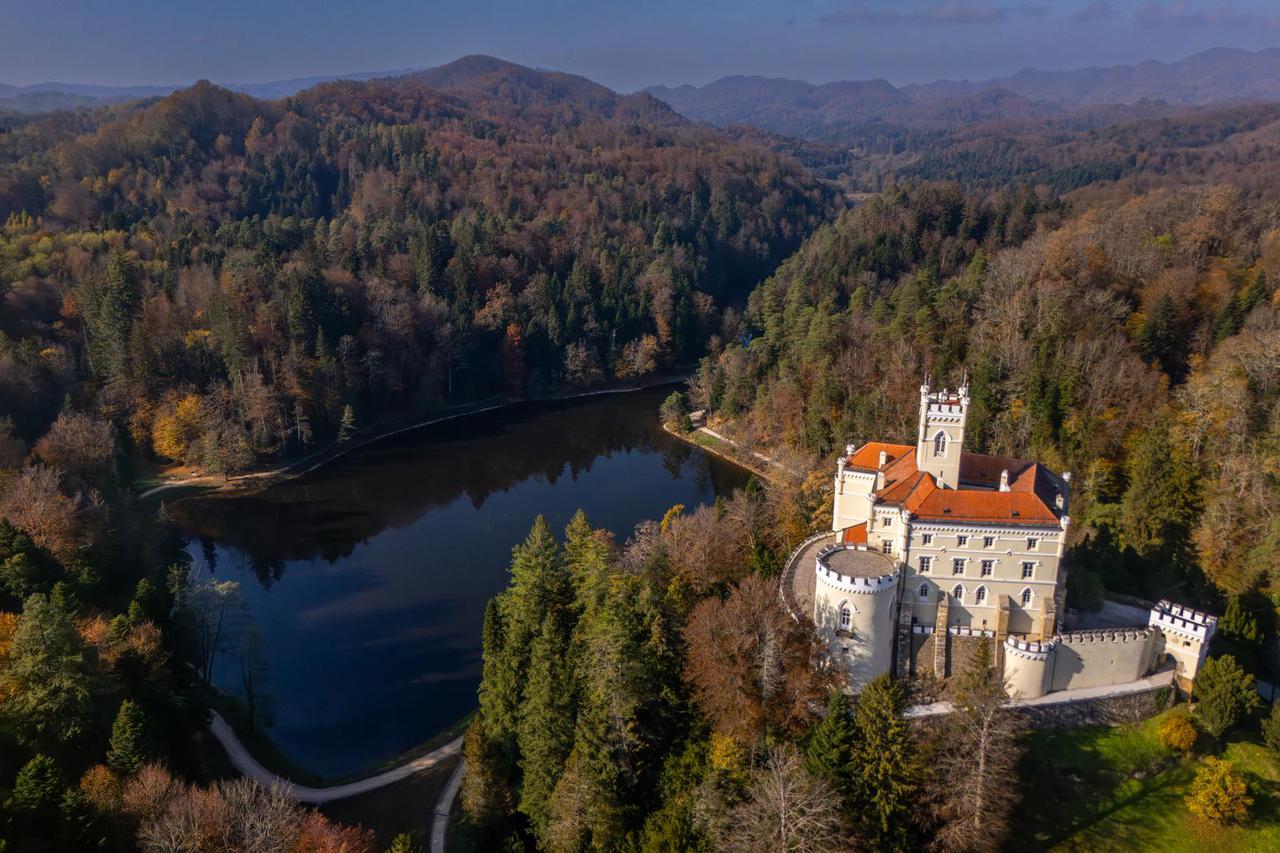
(368, 579)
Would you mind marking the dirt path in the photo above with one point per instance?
(440, 820)
(249, 766)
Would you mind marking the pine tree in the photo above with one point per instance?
(539, 583)
(546, 720)
(885, 776)
(499, 686)
(1271, 730)
(829, 753)
(586, 556)
(1161, 500)
(1224, 693)
(39, 787)
(51, 705)
(129, 742)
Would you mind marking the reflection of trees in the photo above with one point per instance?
(393, 483)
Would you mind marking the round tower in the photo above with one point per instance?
(1027, 667)
(854, 609)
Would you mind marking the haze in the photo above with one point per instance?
(623, 45)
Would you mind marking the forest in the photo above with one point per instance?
(221, 283)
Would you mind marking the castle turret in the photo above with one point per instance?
(941, 435)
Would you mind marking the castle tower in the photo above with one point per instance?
(1184, 635)
(941, 436)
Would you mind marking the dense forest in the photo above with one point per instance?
(224, 282)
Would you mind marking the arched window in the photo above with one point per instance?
(846, 617)
(980, 595)
(958, 593)
(1026, 597)
(924, 590)
(940, 444)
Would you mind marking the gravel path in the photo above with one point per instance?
(249, 766)
(440, 821)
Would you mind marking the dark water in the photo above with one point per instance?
(368, 579)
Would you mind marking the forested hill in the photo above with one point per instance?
(226, 278)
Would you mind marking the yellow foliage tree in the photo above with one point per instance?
(1178, 734)
(1218, 794)
(174, 433)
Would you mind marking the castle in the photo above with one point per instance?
(932, 549)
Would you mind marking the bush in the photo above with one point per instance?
(1218, 793)
(675, 412)
(1177, 734)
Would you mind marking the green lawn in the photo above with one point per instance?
(1116, 788)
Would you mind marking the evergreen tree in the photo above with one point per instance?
(51, 706)
(1224, 693)
(110, 306)
(1160, 503)
(347, 426)
(37, 792)
(1160, 339)
(829, 752)
(546, 720)
(885, 777)
(499, 687)
(129, 741)
(1271, 730)
(586, 556)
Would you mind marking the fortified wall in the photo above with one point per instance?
(1079, 659)
(856, 605)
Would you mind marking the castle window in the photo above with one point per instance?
(1032, 543)
(988, 541)
(924, 591)
(1026, 597)
(886, 521)
(846, 617)
(958, 593)
(926, 563)
(957, 566)
(962, 541)
(980, 596)
(886, 545)
(987, 567)
(1028, 570)
(940, 444)
(926, 538)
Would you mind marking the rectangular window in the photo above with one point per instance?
(962, 541)
(957, 566)
(926, 563)
(988, 566)
(886, 545)
(926, 538)
(1032, 543)
(988, 541)
(887, 521)
(1028, 569)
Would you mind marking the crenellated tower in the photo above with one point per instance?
(940, 439)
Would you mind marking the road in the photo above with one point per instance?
(249, 766)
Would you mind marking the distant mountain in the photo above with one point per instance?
(1218, 75)
(841, 110)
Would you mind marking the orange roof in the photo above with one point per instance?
(1031, 498)
(856, 535)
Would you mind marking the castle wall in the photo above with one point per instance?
(1028, 667)
(1101, 658)
(866, 649)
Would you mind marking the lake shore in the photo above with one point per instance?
(250, 482)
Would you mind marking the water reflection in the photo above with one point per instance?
(368, 579)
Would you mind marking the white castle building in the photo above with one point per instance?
(932, 547)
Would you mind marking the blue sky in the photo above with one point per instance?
(625, 45)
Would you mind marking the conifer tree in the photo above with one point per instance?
(586, 556)
(51, 705)
(129, 741)
(885, 776)
(539, 583)
(39, 788)
(829, 753)
(499, 686)
(1224, 693)
(546, 720)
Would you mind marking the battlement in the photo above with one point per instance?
(1104, 635)
(855, 568)
(1183, 621)
(966, 631)
(1034, 650)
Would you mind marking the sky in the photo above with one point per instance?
(625, 45)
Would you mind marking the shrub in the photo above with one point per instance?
(1224, 693)
(1218, 793)
(1177, 734)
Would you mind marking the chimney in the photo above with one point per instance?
(1004, 480)
(884, 457)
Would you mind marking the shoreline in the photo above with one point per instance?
(715, 448)
(251, 482)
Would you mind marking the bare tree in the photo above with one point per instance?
(976, 778)
(787, 809)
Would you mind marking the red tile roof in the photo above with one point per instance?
(856, 535)
(1031, 499)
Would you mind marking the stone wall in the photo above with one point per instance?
(1099, 658)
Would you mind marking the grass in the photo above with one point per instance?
(1116, 788)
